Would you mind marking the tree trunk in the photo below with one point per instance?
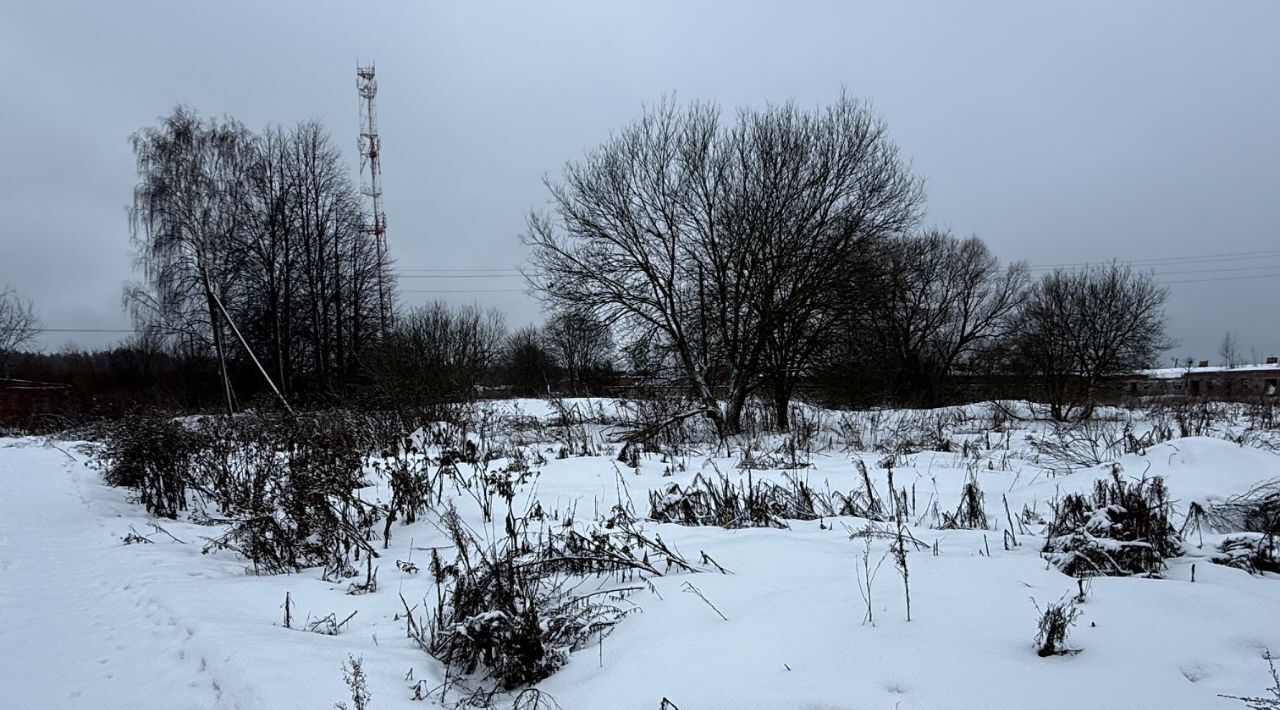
(219, 348)
(782, 390)
(712, 406)
(733, 409)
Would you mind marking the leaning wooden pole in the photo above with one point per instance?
(253, 357)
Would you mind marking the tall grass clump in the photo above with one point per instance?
(514, 609)
(1056, 620)
(752, 503)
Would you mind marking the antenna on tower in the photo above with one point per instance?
(371, 184)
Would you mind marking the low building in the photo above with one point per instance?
(1239, 382)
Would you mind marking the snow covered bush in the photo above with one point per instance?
(1120, 529)
(1256, 510)
(1251, 521)
(1251, 552)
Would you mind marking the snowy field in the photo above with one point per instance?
(88, 621)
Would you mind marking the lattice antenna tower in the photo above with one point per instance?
(371, 183)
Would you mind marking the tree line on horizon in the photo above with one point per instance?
(774, 253)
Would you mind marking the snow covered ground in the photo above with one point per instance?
(87, 621)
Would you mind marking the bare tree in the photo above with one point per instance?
(188, 209)
(581, 344)
(944, 301)
(704, 240)
(18, 324)
(529, 366)
(1229, 350)
(1078, 327)
(435, 354)
(260, 231)
(814, 332)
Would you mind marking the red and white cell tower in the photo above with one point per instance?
(371, 182)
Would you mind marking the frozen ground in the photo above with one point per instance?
(87, 621)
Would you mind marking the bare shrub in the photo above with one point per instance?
(299, 506)
(859, 430)
(792, 454)
(912, 432)
(413, 489)
(353, 676)
(574, 428)
(150, 454)
(512, 607)
(1261, 414)
(663, 424)
(1197, 417)
(1259, 703)
(534, 699)
(285, 488)
(1256, 510)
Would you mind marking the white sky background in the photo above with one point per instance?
(1058, 133)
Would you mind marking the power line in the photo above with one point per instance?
(1157, 272)
(483, 272)
(1266, 267)
(456, 270)
(476, 290)
(1223, 278)
(1168, 260)
(86, 330)
(458, 276)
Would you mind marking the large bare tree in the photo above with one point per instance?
(943, 301)
(706, 239)
(189, 207)
(581, 345)
(1079, 327)
(262, 232)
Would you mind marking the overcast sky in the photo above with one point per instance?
(1058, 132)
